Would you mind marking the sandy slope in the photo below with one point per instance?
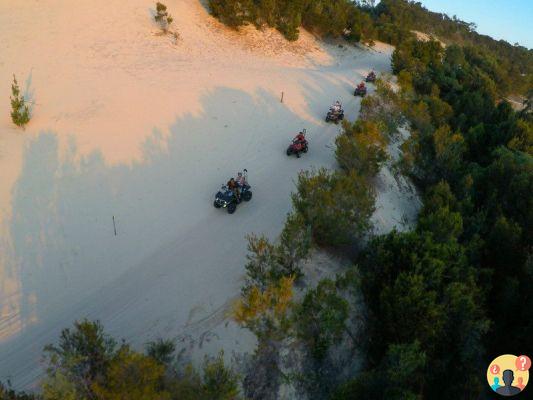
(127, 123)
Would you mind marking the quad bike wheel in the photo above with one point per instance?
(231, 208)
(247, 196)
(216, 204)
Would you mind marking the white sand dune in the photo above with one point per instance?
(128, 124)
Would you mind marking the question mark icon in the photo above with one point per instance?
(495, 369)
(522, 363)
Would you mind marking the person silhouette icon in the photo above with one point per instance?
(496, 383)
(508, 390)
(520, 384)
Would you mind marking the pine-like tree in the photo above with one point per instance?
(20, 113)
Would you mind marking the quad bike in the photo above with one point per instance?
(334, 116)
(297, 147)
(226, 198)
(360, 91)
(371, 77)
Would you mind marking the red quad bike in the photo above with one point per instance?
(360, 90)
(371, 77)
(297, 147)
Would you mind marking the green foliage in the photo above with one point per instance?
(400, 376)
(85, 365)
(405, 370)
(262, 266)
(161, 350)
(266, 311)
(510, 67)
(294, 245)
(9, 394)
(510, 63)
(323, 17)
(132, 376)
(361, 148)
(423, 290)
(233, 13)
(469, 258)
(336, 206)
(20, 113)
(267, 262)
(215, 381)
(321, 318)
(80, 359)
(219, 382)
(383, 108)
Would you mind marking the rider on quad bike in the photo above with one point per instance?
(241, 181)
(299, 144)
(360, 90)
(371, 77)
(233, 193)
(336, 113)
(234, 187)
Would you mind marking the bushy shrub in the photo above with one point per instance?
(268, 262)
(79, 360)
(266, 311)
(337, 206)
(233, 13)
(383, 108)
(86, 364)
(321, 318)
(361, 148)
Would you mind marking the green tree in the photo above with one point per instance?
(233, 13)
(321, 318)
(161, 350)
(336, 206)
(262, 266)
(361, 148)
(81, 357)
(294, 245)
(20, 113)
(132, 376)
(219, 382)
(266, 312)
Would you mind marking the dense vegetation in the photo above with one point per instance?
(86, 363)
(446, 298)
(391, 21)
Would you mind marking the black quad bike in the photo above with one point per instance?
(371, 77)
(335, 116)
(226, 198)
(360, 91)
